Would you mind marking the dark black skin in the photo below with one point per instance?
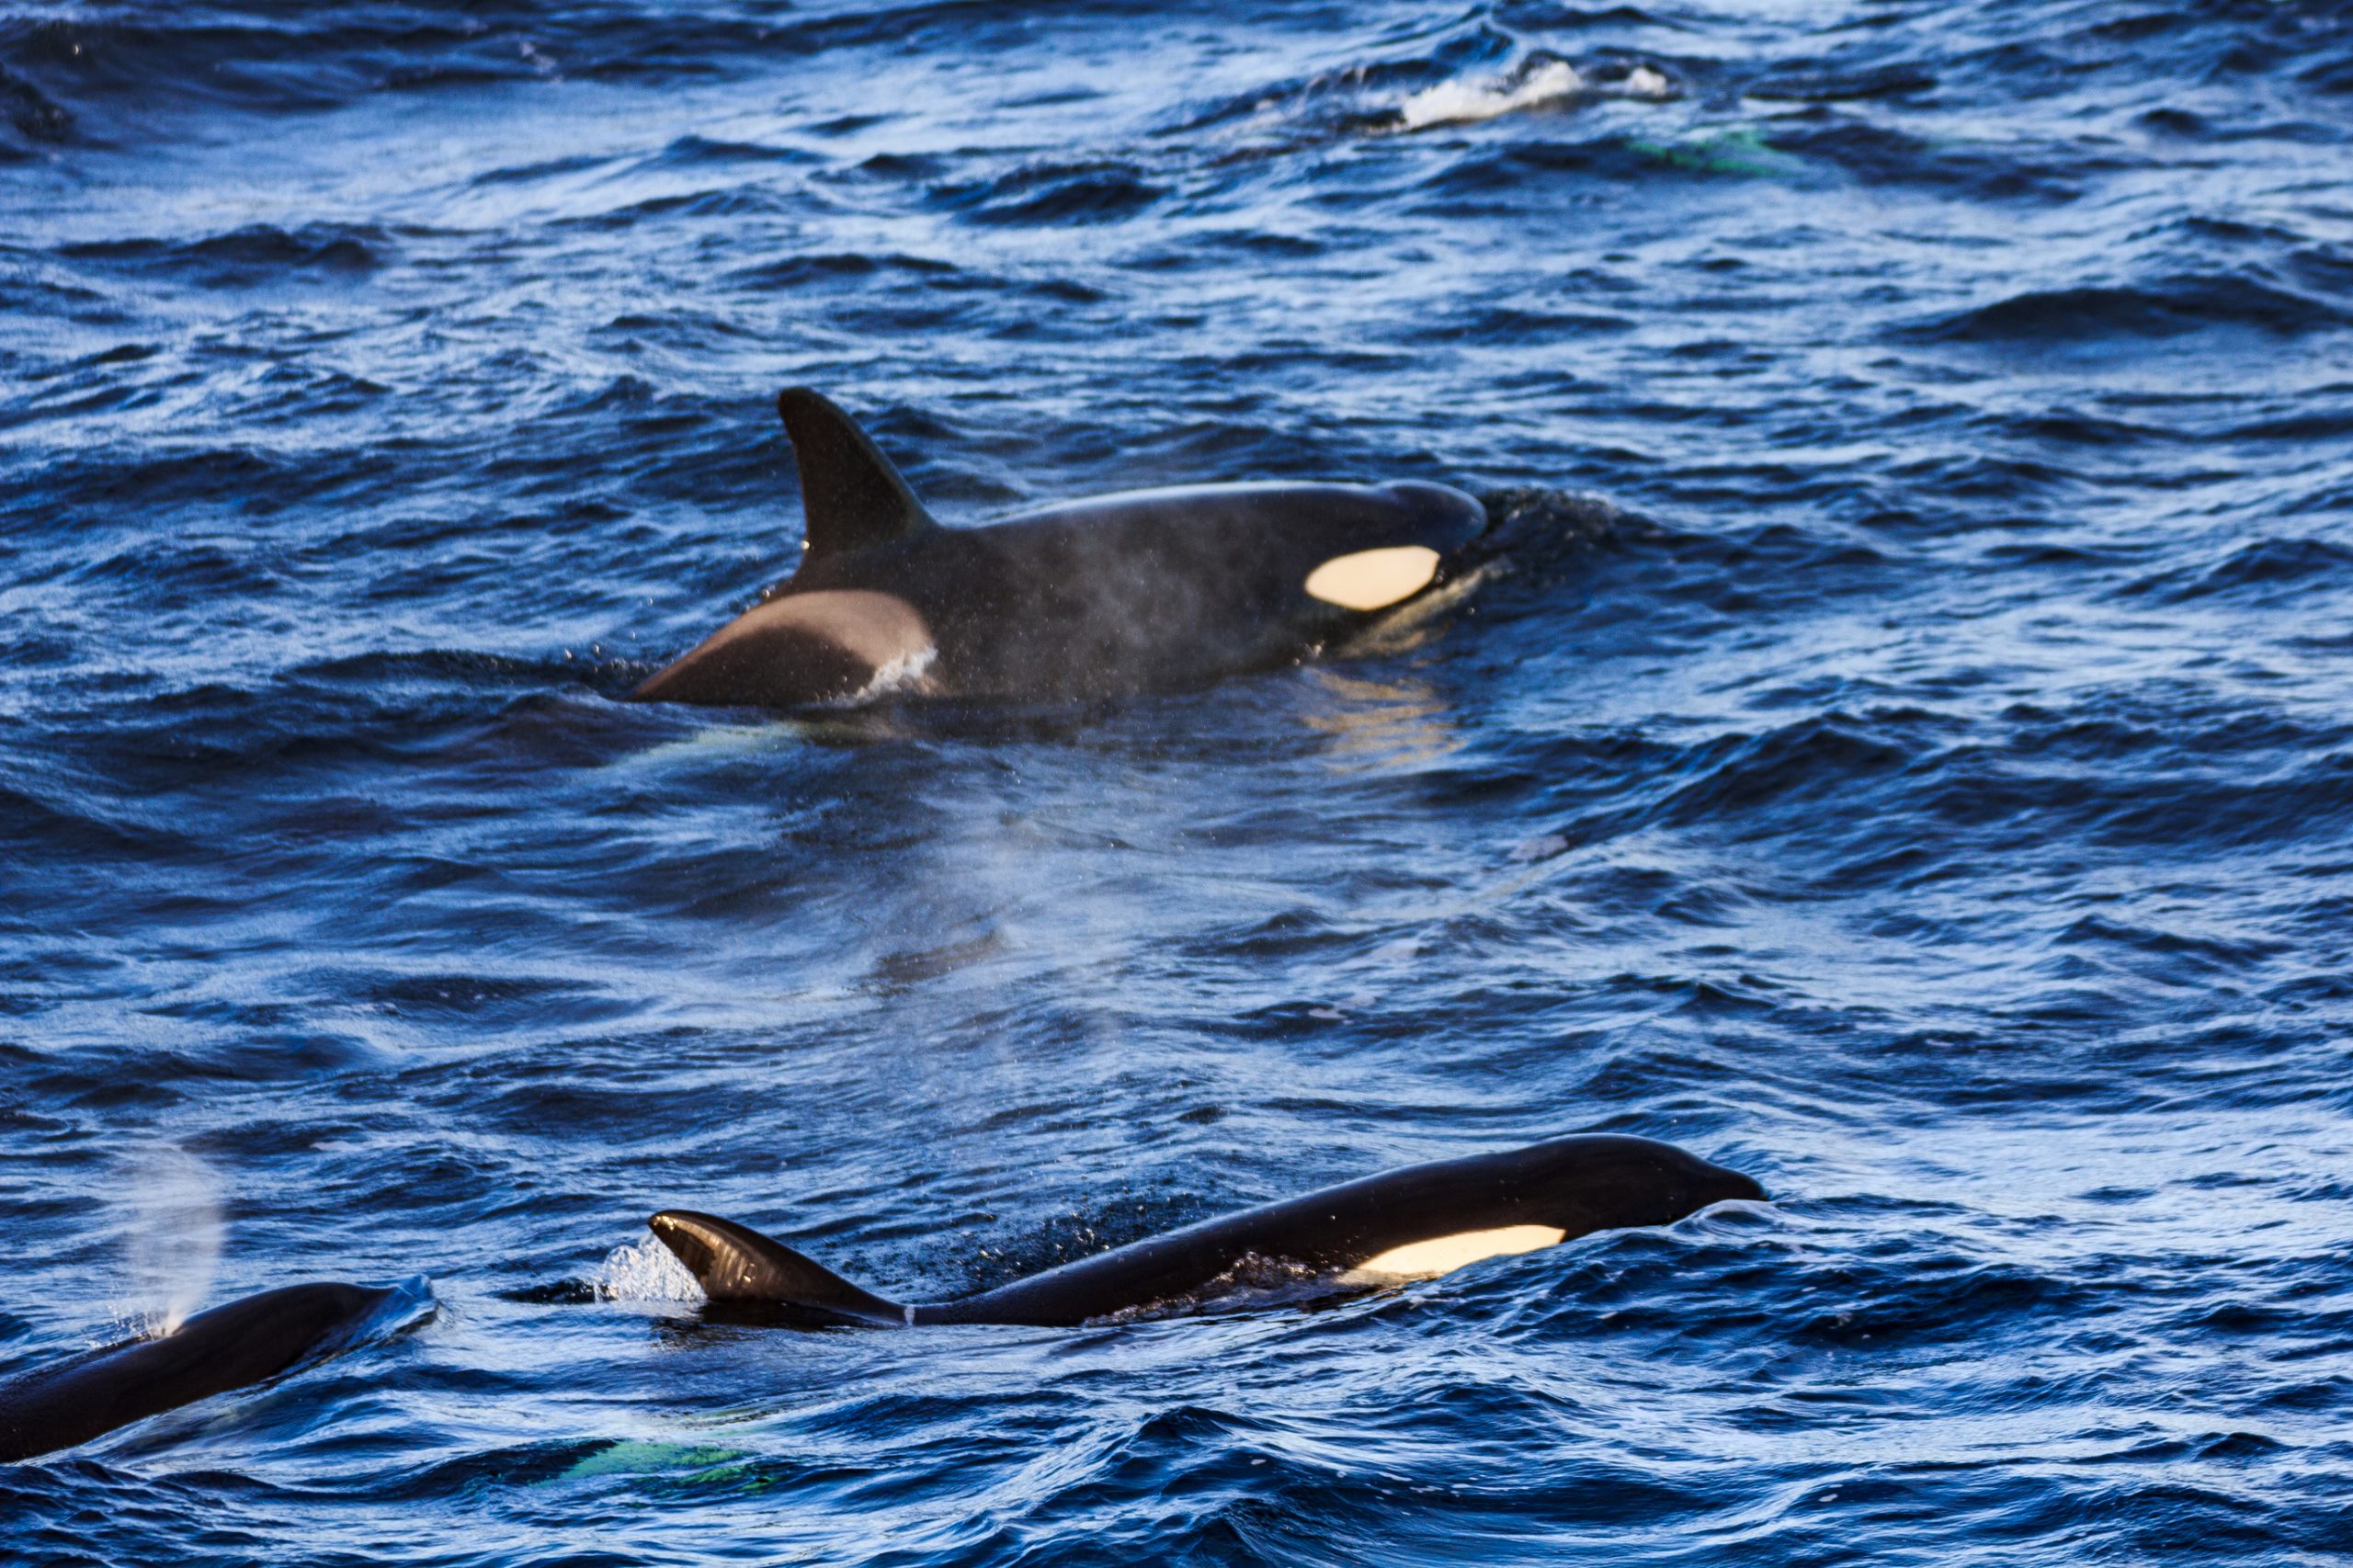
(1575, 1184)
(226, 1347)
(1136, 592)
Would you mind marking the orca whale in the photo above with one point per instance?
(1412, 1223)
(226, 1347)
(1144, 590)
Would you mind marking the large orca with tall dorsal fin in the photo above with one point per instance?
(1411, 1224)
(226, 1347)
(1139, 591)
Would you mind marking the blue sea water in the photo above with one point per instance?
(1932, 791)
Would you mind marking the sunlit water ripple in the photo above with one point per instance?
(1933, 795)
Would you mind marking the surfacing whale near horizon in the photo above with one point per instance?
(1138, 591)
(1415, 1223)
(244, 1342)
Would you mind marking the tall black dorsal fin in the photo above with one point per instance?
(735, 1263)
(850, 495)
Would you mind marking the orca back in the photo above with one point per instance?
(225, 1348)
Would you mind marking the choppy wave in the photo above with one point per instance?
(1536, 83)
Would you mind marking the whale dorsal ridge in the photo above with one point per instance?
(850, 495)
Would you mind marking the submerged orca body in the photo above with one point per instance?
(1414, 1222)
(1145, 590)
(227, 1347)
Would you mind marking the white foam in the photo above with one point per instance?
(1455, 103)
(904, 673)
(1646, 82)
(645, 1271)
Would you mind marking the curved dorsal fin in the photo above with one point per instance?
(735, 1263)
(850, 495)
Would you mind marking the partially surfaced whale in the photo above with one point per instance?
(1145, 590)
(226, 1347)
(1409, 1224)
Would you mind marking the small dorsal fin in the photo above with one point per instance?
(850, 495)
(735, 1263)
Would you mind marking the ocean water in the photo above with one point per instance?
(1931, 791)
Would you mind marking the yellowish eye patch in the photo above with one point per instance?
(1374, 579)
(1443, 1254)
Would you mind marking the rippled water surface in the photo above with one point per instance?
(1933, 795)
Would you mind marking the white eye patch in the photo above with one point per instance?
(1374, 579)
(1443, 1254)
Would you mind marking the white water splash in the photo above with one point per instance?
(904, 673)
(173, 1238)
(1457, 103)
(1646, 82)
(645, 1271)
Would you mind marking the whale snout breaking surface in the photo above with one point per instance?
(1415, 1223)
(1144, 590)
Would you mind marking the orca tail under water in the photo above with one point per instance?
(735, 1263)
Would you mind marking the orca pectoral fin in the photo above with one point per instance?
(850, 495)
(735, 1263)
